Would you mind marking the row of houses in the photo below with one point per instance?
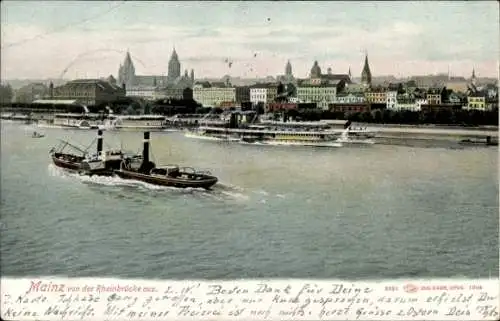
(326, 94)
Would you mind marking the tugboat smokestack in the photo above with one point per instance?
(145, 149)
(99, 141)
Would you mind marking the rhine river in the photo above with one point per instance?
(352, 212)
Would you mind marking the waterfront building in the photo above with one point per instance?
(263, 93)
(349, 98)
(391, 100)
(323, 94)
(148, 93)
(491, 103)
(419, 103)
(178, 93)
(89, 92)
(355, 89)
(349, 109)
(376, 95)
(213, 95)
(155, 93)
(31, 92)
(242, 94)
(434, 96)
(477, 102)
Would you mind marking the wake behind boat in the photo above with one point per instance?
(140, 168)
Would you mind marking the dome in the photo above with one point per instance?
(315, 70)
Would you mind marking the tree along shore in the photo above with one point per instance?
(405, 117)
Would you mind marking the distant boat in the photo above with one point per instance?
(140, 168)
(487, 142)
(37, 135)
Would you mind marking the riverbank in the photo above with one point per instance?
(420, 136)
(436, 136)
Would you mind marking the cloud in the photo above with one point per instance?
(393, 47)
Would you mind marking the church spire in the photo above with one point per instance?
(128, 60)
(366, 75)
(126, 72)
(288, 68)
(174, 54)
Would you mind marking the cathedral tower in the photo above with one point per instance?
(174, 68)
(126, 72)
(288, 69)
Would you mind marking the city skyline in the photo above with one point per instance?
(248, 39)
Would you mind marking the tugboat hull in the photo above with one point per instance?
(66, 164)
(102, 163)
(202, 181)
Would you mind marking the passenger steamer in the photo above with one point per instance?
(136, 122)
(81, 121)
(110, 122)
(291, 134)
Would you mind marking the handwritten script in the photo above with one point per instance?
(97, 299)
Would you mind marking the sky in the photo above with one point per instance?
(89, 39)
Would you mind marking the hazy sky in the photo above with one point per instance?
(42, 39)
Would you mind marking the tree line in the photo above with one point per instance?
(405, 117)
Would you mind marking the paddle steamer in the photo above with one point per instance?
(281, 133)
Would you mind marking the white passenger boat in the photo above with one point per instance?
(81, 121)
(135, 122)
(270, 136)
(241, 126)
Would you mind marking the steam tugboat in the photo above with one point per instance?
(102, 163)
(142, 169)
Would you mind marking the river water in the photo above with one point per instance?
(352, 212)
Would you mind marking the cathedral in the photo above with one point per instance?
(316, 77)
(174, 79)
(288, 77)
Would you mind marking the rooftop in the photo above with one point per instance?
(105, 85)
(55, 102)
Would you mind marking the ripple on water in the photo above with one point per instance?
(350, 213)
